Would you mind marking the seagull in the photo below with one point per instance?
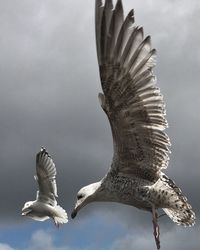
(136, 111)
(45, 206)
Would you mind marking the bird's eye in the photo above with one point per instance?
(27, 204)
(79, 196)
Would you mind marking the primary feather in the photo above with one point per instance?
(132, 101)
(46, 177)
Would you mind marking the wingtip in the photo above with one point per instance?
(130, 17)
(99, 3)
(43, 150)
(131, 13)
(109, 4)
(119, 5)
(141, 29)
(154, 52)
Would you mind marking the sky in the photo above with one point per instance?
(49, 85)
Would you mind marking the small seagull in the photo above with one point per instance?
(136, 112)
(45, 206)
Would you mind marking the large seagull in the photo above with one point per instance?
(136, 112)
(45, 206)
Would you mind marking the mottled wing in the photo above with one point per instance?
(46, 178)
(131, 99)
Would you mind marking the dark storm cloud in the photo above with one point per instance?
(49, 86)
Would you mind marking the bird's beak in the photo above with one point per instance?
(26, 211)
(78, 206)
(74, 213)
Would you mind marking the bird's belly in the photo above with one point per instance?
(134, 201)
(38, 217)
(41, 212)
(130, 192)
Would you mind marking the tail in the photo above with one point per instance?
(60, 216)
(180, 210)
(182, 216)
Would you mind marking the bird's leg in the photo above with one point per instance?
(156, 227)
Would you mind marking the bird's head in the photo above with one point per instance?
(86, 195)
(27, 209)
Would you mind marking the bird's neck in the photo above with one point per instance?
(101, 192)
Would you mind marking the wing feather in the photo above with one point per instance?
(46, 178)
(131, 99)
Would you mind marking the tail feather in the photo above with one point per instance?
(60, 216)
(183, 216)
(180, 211)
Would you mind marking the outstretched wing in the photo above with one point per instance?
(131, 99)
(46, 178)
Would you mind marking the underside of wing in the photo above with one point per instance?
(46, 177)
(131, 99)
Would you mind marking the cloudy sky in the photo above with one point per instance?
(49, 84)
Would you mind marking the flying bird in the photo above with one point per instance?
(45, 206)
(136, 112)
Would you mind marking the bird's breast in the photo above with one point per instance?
(128, 191)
